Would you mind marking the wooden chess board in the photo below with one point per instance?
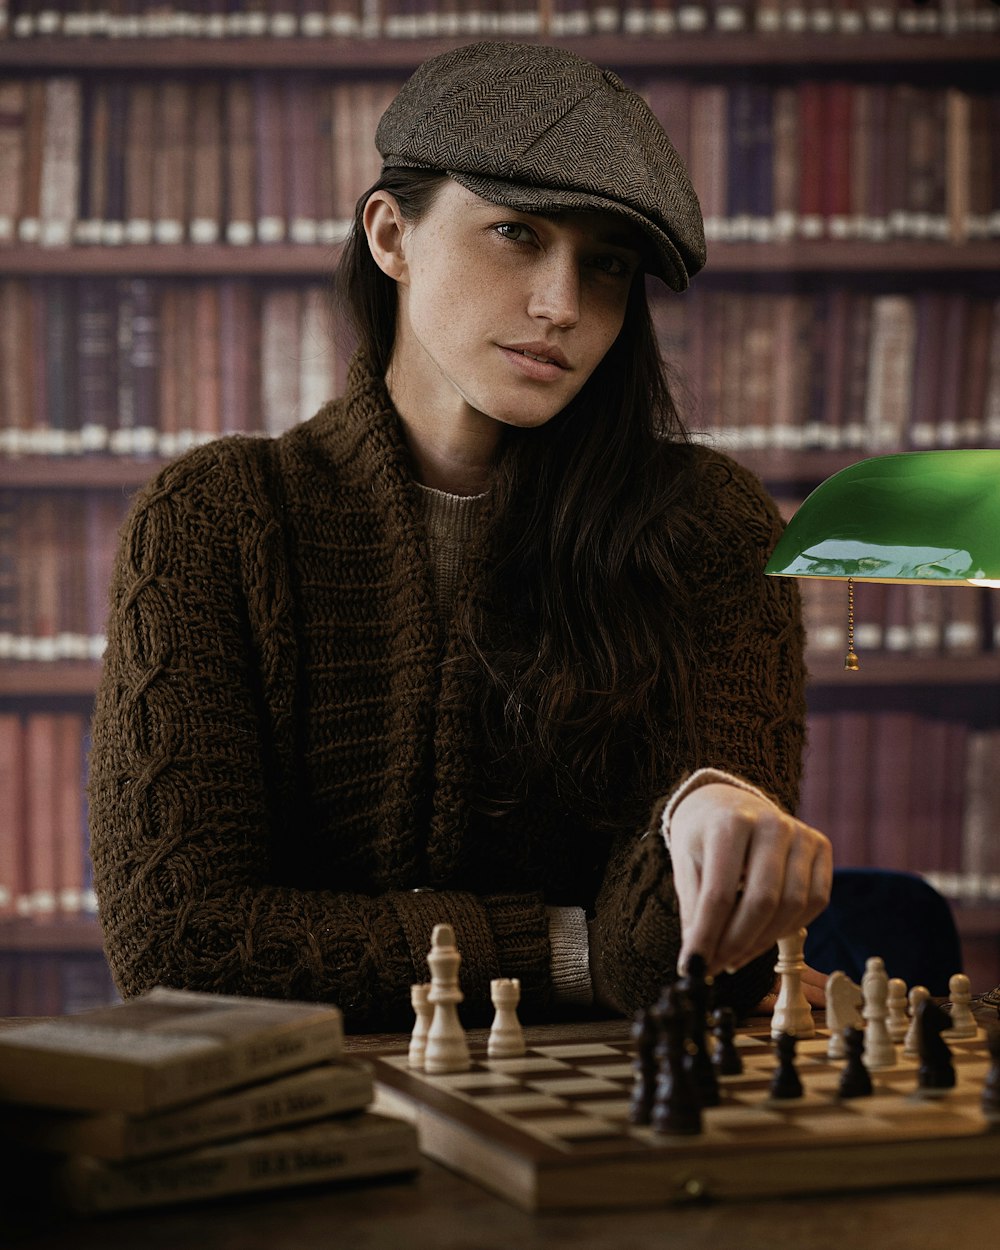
(550, 1130)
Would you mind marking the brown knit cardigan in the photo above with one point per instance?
(283, 755)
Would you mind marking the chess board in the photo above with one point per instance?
(550, 1130)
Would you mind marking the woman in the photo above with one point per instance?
(487, 640)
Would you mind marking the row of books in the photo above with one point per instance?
(139, 366)
(899, 790)
(57, 550)
(837, 368)
(899, 619)
(45, 868)
(178, 1095)
(399, 19)
(270, 158)
(53, 983)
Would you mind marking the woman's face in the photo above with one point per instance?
(504, 313)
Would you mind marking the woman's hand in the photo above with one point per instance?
(745, 872)
(813, 987)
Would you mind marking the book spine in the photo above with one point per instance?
(13, 797)
(13, 134)
(39, 899)
(171, 171)
(367, 1145)
(67, 781)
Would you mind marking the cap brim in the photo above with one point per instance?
(661, 259)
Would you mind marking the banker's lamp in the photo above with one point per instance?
(922, 516)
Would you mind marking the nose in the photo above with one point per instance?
(555, 293)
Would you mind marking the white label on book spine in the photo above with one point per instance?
(168, 232)
(29, 229)
(730, 17)
(6, 229)
(112, 233)
(313, 25)
(691, 17)
(93, 438)
(204, 230)
(270, 229)
(239, 233)
(283, 25)
(302, 230)
(138, 230)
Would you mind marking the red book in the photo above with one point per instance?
(817, 774)
(302, 146)
(280, 346)
(851, 784)
(240, 162)
(972, 402)
(69, 812)
(895, 756)
(207, 364)
(13, 135)
(16, 359)
(39, 897)
(29, 226)
(836, 192)
(708, 168)
(270, 134)
(171, 153)
(12, 802)
(239, 364)
(140, 149)
(812, 154)
(205, 209)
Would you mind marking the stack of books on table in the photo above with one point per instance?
(178, 1095)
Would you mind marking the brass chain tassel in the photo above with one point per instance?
(850, 659)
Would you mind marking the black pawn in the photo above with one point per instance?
(855, 1079)
(990, 1100)
(785, 1083)
(696, 986)
(643, 1068)
(727, 1059)
(676, 1108)
(936, 1071)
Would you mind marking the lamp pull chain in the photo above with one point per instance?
(850, 659)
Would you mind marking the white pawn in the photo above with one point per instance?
(963, 1022)
(879, 1051)
(506, 1040)
(447, 1049)
(418, 1038)
(843, 1003)
(792, 1013)
(911, 1043)
(898, 1020)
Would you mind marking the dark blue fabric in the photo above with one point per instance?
(892, 914)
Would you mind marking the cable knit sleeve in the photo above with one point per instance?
(194, 788)
(750, 709)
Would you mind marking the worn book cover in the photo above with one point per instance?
(315, 1093)
(344, 1148)
(164, 1049)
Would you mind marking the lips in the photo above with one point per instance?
(542, 352)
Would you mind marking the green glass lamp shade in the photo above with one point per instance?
(914, 517)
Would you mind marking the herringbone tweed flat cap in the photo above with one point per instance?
(539, 129)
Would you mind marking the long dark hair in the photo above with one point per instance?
(583, 642)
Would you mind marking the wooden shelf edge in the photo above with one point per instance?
(381, 54)
(78, 679)
(69, 934)
(881, 668)
(315, 261)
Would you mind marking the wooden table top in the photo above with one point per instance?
(438, 1210)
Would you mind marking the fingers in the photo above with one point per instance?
(747, 874)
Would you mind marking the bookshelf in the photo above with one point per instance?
(930, 48)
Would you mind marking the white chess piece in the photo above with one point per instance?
(911, 1043)
(418, 1038)
(447, 1049)
(898, 1020)
(843, 1004)
(506, 1039)
(879, 1051)
(792, 1013)
(963, 1022)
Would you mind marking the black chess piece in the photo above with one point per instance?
(696, 986)
(855, 1079)
(990, 1098)
(676, 1106)
(786, 1083)
(643, 1067)
(936, 1071)
(727, 1059)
